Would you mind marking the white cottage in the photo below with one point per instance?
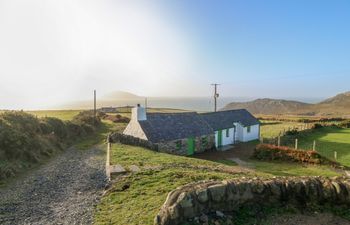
(190, 132)
(232, 126)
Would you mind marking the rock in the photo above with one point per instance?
(203, 218)
(202, 195)
(217, 192)
(184, 200)
(220, 214)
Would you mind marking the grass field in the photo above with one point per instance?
(60, 114)
(136, 198)
(328, 140)
(271, 129)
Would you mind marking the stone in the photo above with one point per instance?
(217, 192)
(219, 214)
(134, 168)
(337, 188)
(203, 218)
(202, 195)
(116, 169)
(185, 200)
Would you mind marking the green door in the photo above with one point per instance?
(219, 138)
(190, 146)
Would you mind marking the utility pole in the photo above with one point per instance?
(146, 103)
(216, 96)
(95, 104)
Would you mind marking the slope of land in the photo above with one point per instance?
(335, 106)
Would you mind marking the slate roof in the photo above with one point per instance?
(172, 126)
(225, 119)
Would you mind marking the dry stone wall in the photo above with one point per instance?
(202, 143)
(196, 199)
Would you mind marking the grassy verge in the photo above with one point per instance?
(277, 168)
(136, 198)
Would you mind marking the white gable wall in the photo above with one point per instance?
(242, 134)
(252, 135)
(134, 129)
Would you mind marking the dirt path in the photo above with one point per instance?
(63, 191)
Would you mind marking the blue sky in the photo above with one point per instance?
(278, 49)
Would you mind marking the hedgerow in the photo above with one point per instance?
(283, 153)
(26, 140)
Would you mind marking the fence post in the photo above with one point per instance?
(261, 140)
(279, 141)
(335, 155)
(296, 143)
(314, 146)
(108, 174)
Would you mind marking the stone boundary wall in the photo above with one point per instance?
(167, 147)
(131, 140)
(192, 200)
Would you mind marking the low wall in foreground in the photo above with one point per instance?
(195, 199)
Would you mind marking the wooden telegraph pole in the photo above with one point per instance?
(216, 96)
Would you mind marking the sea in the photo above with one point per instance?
(201, 104)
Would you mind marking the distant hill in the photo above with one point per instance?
(335, 106)
(122, 95)
(114, 99)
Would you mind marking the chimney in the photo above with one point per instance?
(138, 113)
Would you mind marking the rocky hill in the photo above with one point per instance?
(338, 105)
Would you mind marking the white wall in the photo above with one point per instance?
(134, 129)
(225, 140)
(228, 140)
(243, 136)
(252, 135)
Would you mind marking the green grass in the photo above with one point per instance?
(271, 129)
(328, 140)
(148, 189)
(60, 114)
(100, 136)
(136, 198)
(277, 168)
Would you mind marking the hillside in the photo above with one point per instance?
(338, 105)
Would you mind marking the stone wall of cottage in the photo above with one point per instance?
(193, 200)
(200, 146)
(168, 147)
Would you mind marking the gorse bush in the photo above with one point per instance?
(273, 152)
(26, 139)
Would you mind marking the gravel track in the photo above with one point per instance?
(63, 191)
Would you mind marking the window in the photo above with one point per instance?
(227, 132)
(248, 129)
(178, 145)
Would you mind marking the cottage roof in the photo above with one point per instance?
(225, 119)
(172, 126)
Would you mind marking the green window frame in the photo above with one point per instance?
(248, 129)
(227, 132)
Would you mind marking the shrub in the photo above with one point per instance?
(273, 152)
(318, 126)
(25, 139)
(292, 132)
